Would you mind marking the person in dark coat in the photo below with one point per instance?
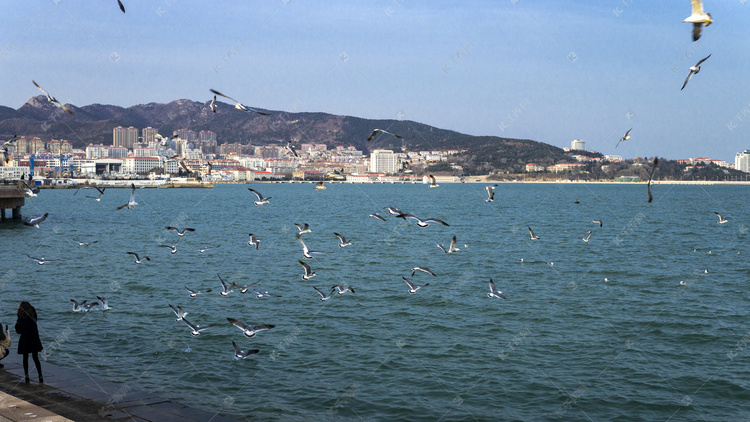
(28, 340)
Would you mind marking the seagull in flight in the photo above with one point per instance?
(651, 179)
(34, 222)
(194, 293)
(599, 222)
(393, 211)
(340, 289)
(320, 186)
(532, 236)
(722, 220)
(624, 138)
(80, 244)
(308, 272)
(240, 354)
(98, 198)
(376, 216)
(306, 252)
(343, 241)
(249, 330)
(40, 261)
(698, 18)
(491, 192)
(423, 269)
(182, 232)
(413, 287)
(433, 182)
(291, 149)
(238, 105)
(131, 202)
(261, 200)
(119, 3)
(179, 312)
(53, 99)
(423, 223)
(586, 239)
(196, 330)
(261, 295)
(253, 241)
(212, 104)
(173, 248)
(376, 131)
(323, 296)
(494, 292)
(225, 289)
(694, 71)
(105, 303)
(303, 228)
(452, 248)
(201, 250)
(138, 259)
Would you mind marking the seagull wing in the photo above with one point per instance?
(307, 268)
(435, 220)
(341, 238)
(119, 3)
(702, 60)
(409, 283)
(690, 75)
(697, 7)
(260, 197)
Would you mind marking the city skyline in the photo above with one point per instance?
(517, 69)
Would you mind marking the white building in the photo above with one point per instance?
(139, 164)
(578, 145)
(742, 161)
(13, 172)
(144, 152)
(96, 151)
(383, 161)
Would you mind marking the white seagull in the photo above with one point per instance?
(138, 259)
(212, 104)
(86, 244)
(263, 294)
(40, 261)
(586, 239)
(53, 99)
(34, 222)
(308, 272)
(599, 222)
(491, 192)
(413, 287)
(225, 289)
(194, 293)
(196, 330)
(173, 248)
(722, 220)
(394, 211)
(343, 240)
(291, 149)
(698, 18)
(433, 182)
(452, 248)
(423, 223)
(323, 296)
(178, 312)
(340, 289)
(303, 228)
(105, 303)
(306, 252)
(131, 202)
(423, 269)
(249, 330)
(532, 236)
(240, 354)
(261, 200)
(494, 292)
(376, 131)
(624, 138)
(238, 105)
(253, 241)
(182, 232)
(201, 250)
(694, 71)
(376, 216)
(81, 306)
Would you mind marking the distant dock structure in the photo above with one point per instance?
(11, 197)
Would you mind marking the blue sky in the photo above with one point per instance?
(550, 71)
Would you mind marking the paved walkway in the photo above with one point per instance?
(71, 395)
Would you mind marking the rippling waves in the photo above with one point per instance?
(566, 343)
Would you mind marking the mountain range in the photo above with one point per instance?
(94, 124)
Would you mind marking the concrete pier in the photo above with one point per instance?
(12, 196)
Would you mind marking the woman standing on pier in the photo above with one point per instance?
(28, 340)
